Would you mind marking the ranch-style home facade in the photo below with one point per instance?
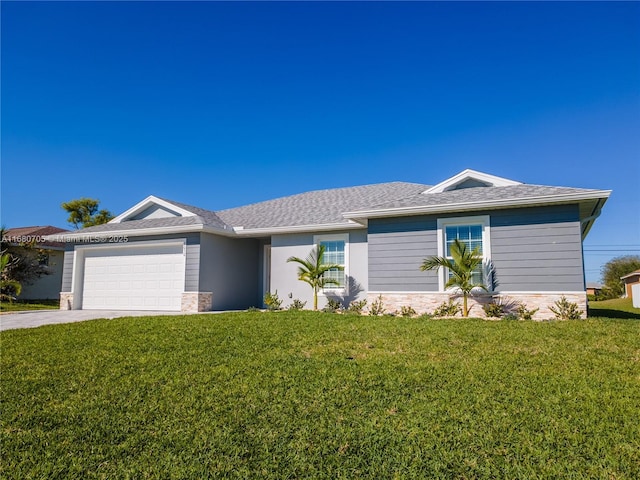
(164, 255)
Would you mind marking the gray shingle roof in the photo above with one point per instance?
(322, 207)
(207, 217)
(478, 194)
(318, 207)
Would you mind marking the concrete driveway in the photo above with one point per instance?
(9, 321)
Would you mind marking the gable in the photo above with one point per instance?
(152, 208)
(155, 211)
(471, 179)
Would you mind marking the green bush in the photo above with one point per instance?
(495, 309)
(377, 307)
(407, 311)
(566, 310)
(297, 304)
(449, 308)
(272, 301)
(357, 307)
(524, 313)
(333, 306)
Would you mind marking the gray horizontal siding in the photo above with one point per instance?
(533, 249)
(544, 254)
(192, 268)
(397, 248)
(67, 271)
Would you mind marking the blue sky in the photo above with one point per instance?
(223, 104)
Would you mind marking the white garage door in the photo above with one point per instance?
(134, 278)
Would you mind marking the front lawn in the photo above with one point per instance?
(313, 395)
(28, 305)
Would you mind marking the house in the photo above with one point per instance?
(165, 255)
(50, 255)
(594, 288)
(630, 280)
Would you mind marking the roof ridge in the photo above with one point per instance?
(321, 190)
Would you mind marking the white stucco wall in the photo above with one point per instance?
(284, 276)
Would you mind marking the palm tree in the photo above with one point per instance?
(312, 271)
(462, 265)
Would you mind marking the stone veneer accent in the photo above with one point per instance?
(427, 302)
(66, 301)
(196, 301)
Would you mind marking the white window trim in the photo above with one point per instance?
(483, 220)
(317, 239)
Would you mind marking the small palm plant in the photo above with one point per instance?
(312, 271)
(462, 265)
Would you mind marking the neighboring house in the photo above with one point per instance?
(164, 255)
(594, 288)
(46, 287)
(630, 280)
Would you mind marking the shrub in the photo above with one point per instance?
(297, 305)
(357, 307)
(524, 313)
(566, 310)
(449, 308)
(407, 311)
(510, 316)
(272, 301)
(333, 306)
(495, 309)
(253, 309)
(377, 307)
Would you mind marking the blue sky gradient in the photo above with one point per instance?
(224, 104)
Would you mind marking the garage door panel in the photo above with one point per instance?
(143, 279)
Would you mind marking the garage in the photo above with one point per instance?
(141, 277)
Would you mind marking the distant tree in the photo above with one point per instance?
(312, 271)
(84, 212)
(613, 270)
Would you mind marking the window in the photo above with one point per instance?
(335, 251)
(474, 232)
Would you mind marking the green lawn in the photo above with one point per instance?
(24, 305)
(312, 395)
(616, 308)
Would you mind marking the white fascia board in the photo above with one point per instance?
(146, 203)
(474, 206)
(471, 174)
(236, 232)
(258, 232)
(95, 236)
